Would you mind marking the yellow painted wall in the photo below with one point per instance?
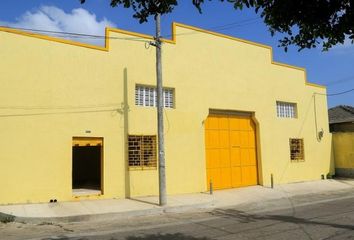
(53, 90)
(343, 146)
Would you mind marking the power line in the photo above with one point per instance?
(56, 113)
(92, 36)
(335, 94)
(76, 35)
(58, 107)
(342, 80)
(246, 23)
(221, 27)
(235, 24)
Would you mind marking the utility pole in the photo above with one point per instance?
(160, 127)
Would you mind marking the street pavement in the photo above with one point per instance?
(326, 215)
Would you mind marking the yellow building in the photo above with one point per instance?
(78, 121)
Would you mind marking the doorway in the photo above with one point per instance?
(230, 144)
(87, 162)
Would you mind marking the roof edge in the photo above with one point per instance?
(173, 40)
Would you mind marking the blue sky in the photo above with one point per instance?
(335, 68)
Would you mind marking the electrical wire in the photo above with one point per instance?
(237, 24)
(75, 35)
(111, 104)
(59, 107)
(342, 80)
(92, 36)
(56, 113)
(335, 94)
(221, 27)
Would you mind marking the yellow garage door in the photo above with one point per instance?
(230, 143)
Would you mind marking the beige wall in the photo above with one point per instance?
(343, 149)
(52, 91)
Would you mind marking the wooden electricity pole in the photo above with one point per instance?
(160, 127)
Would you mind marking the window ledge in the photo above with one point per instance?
(141, 168)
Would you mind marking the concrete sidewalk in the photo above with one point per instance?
(117, 208)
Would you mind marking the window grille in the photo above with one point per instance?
(147, 96)
(296, 149)
(286, 110)
(142, 151)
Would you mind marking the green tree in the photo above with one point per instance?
(303, 23)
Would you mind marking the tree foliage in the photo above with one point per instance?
(303, 23)
(143, 9)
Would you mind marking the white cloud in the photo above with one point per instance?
(52, 18)
(345, 48)
(347, 43)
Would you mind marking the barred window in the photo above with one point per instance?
(147, 96)
(142, 151)
(286, 110)
(296, 149)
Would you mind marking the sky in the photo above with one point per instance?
(334, 69)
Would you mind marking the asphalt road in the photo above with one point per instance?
(321, 220)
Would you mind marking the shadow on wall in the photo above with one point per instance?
(174, 236)
(332, 171)
(125, 106)
(258, 151)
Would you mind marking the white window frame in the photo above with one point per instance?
(286, 109)
(146, 96)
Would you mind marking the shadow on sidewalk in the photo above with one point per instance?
(175, 236)
(151, 202)
(243, 217)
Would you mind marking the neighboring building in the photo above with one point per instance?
(341, 120)
(78, 121)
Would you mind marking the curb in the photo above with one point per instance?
(80, 218)
(6, 218)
